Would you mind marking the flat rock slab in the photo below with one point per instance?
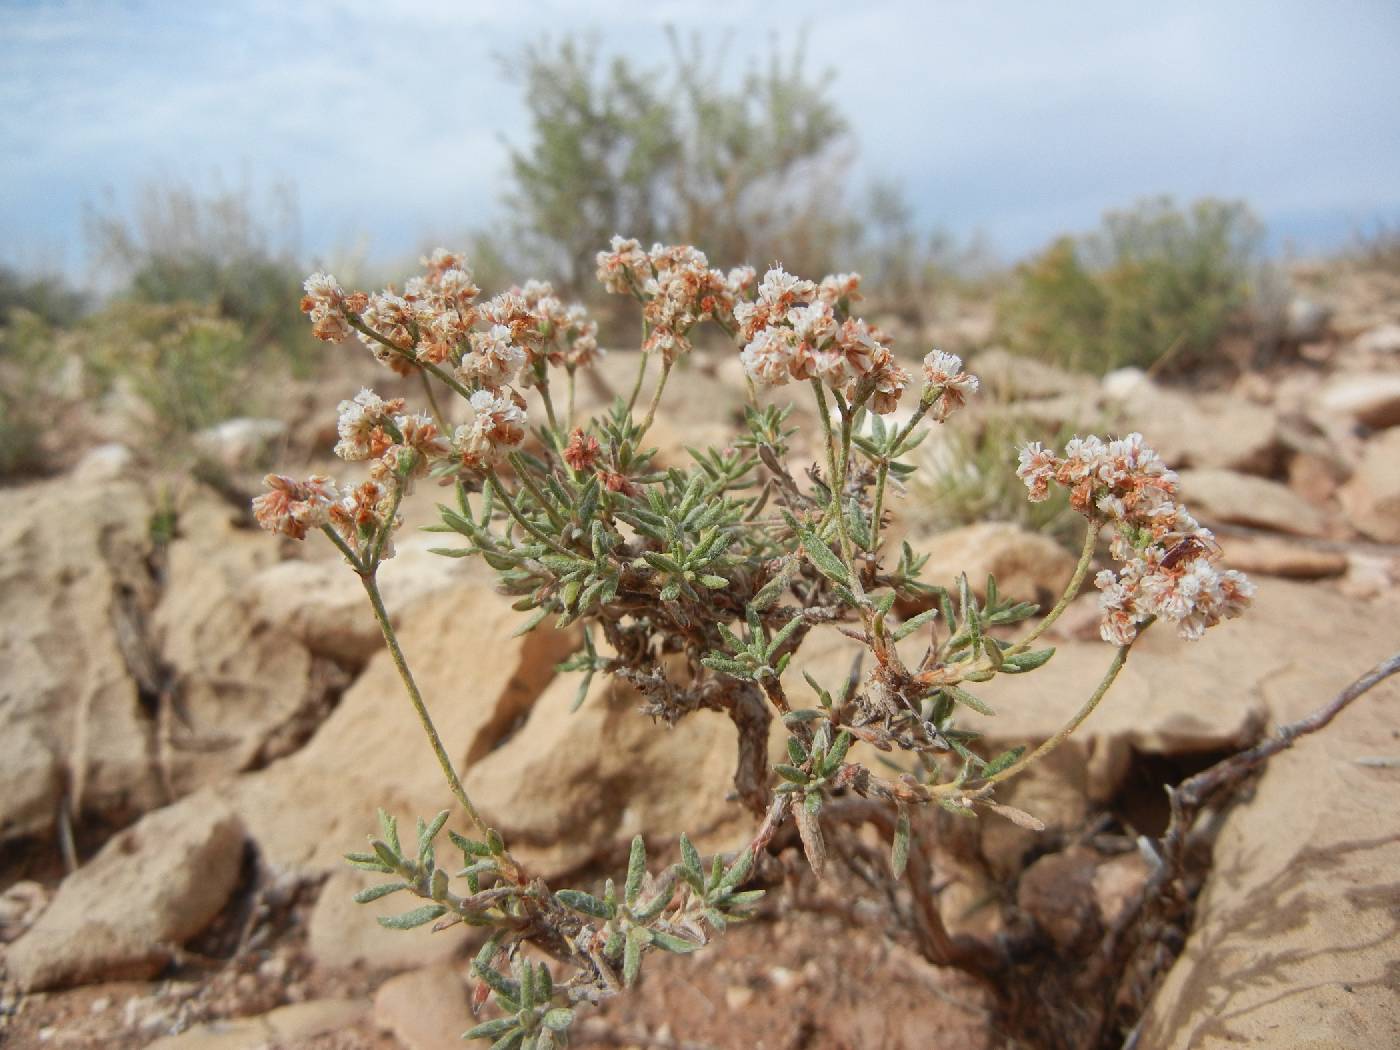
(1241, 499)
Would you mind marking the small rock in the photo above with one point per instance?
(1372, 399)
(1383, 339)
(1268, 556)
(1233, 498)
(107, 462)
(20, 906)
(153, 885)
(1123, 383)
(1057, 891)
(1372, 496)
(280, 1027)
(241, 444)
(425, 1009)
(1305, 321)
(1117, 883)
(1017, 378)
(1027, 565)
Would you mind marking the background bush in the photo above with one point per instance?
(1156, 286)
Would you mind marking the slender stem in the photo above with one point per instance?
(344, 548)
(838, 484)
(548, 403)
(408, 355)
(879, 508)
(570, 415)
(377, 551)
(655, 399)
(439, 417)
(641, 374)
(420, 708)
(534, 531)
(1086, 556)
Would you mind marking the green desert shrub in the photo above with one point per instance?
(1157, 286)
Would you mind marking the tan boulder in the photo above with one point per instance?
(1028, 566)
(477, 679)
(74, 598)
(1229, 497)
(1372, 497)
(152, 887)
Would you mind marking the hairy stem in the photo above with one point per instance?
(439, 417)
(524, 522)
(420, 708)
(655, 399)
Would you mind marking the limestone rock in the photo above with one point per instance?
(153, 886)
(74, 594)
(1027, 565)
(425, 1009)
(1372, 496)
(238, 684)
(1372, 399)
(567, 788)
(1296, 927)
(285, 1026)
(1238, 499)
(310, 808)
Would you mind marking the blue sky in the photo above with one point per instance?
(1016, 119)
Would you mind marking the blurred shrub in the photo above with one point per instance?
(1156, 287)
(1376, 248)
(671, 153)
(48, 297)
(967, 476)
(216, 252)
(188, 367)
(26, 407)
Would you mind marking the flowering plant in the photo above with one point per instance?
(697, 586)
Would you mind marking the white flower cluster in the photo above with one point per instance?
(1169, 561)
(946, 386)
(797, 330)
(677, 289)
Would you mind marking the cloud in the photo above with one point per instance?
(1017, 118)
